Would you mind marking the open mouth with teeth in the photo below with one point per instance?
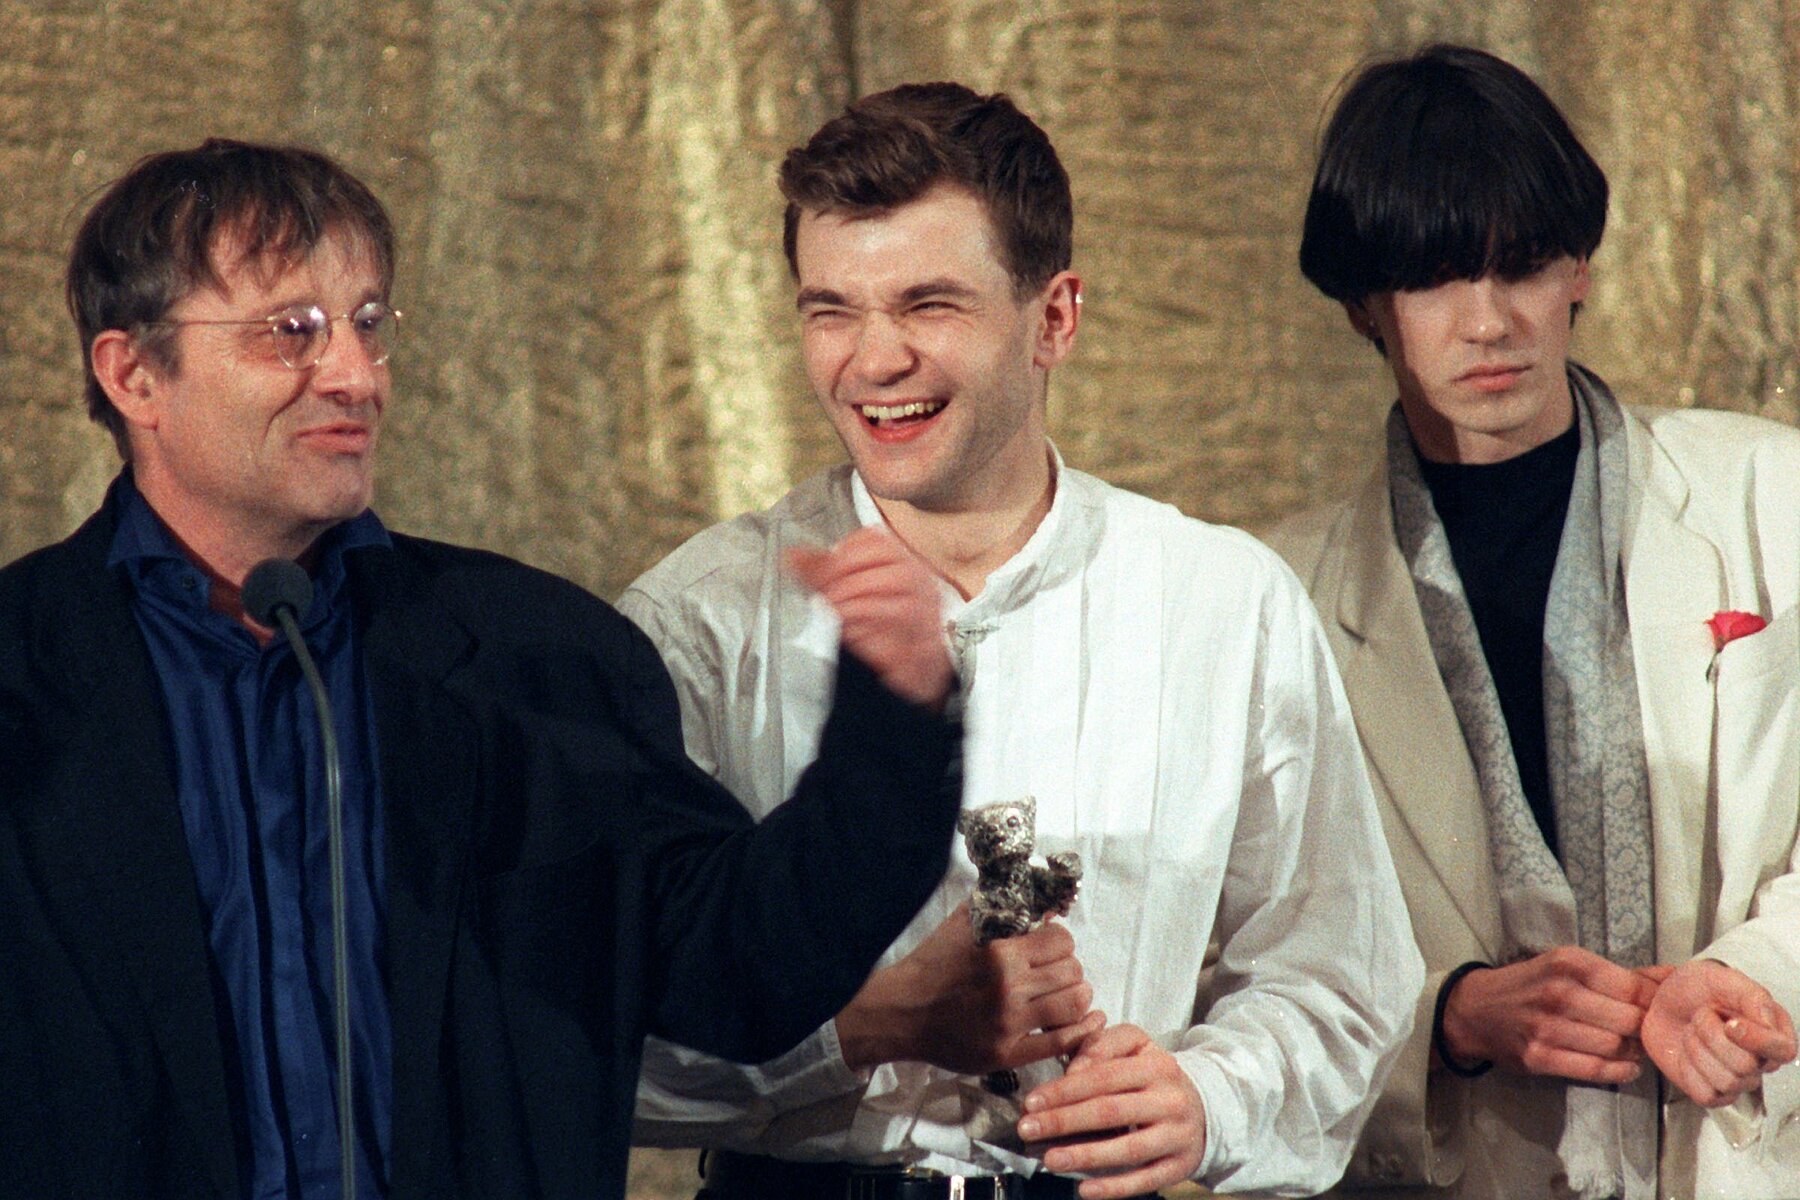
(893, 416)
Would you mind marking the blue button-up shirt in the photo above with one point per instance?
(250, 774)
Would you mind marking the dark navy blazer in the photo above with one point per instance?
(560, 881)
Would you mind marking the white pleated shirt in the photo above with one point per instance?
(1162, 688)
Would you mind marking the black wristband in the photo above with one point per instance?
(1437, 1024)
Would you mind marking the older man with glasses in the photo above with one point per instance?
(468, 870)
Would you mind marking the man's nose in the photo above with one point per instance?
(1485, 312)
(883, 352)
(347, 369)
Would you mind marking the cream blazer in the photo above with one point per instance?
(1713, 523)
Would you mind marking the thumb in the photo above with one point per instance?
(810, 565)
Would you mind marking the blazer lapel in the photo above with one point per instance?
(1409, 729)
(118, 828)
(1674, 580)
(429, 767)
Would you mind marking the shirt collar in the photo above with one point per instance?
(148, 555)
(1056, 550)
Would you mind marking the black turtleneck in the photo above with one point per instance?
(1504, 521)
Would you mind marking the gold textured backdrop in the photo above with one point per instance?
(599, 354)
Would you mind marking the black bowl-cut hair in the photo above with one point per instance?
(1449, 164)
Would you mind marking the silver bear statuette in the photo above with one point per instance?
(1012, 896)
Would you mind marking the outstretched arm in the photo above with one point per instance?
(765, 935)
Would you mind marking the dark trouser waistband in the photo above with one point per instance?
(728, 1175)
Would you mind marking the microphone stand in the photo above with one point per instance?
(340, 955)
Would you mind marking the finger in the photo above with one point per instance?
(1777, 1018)
(1671, 1059)
(1067, 1037)
(869, 551)
(1715, 1037)
(1770, 1046)
(1772, 1033)
(881, 555)
(1619, 984)
(1056, 1100)
(873, 539)
(1050, 1043)
(1109, 1045)
(1014, 964)
(1602, 1011)
(1585, 1068)
(1693, 1085)
(1588, 1039)
(1033, 1047)
(1063, 1009)
(1093, 1114)
(1723, 1064)
(1048, 942)
(1077, 1063)
(870, 597)
(1131, 1146)
(1151, 1177)
(1721, 1084)
(1658, 973)
(808, 564)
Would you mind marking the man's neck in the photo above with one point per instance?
(969, 544)
(226, 555)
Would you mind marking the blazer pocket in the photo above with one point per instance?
(1756, 759)
(1748, 660)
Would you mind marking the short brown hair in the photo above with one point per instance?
(149, 240)
(890, 148)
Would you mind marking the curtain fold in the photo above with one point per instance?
(600, 353)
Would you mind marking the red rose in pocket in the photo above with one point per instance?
(1730, 625)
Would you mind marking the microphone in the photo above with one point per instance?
(274, 584)
(276, 595)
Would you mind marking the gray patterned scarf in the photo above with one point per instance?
(1599, 898)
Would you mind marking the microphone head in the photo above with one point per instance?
(275, 584)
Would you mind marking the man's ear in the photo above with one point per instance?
(1061, 299)
(1363, 321)
(127, 376)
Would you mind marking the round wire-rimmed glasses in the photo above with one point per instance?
(303, 331)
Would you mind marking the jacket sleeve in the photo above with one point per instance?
(760, 936)
(686, 1097)
(1757, 788)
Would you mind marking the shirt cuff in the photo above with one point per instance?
(1225, 1116)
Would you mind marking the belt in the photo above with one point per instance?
(732, 1176)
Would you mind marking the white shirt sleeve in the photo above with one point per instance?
(1318, 974)
(686, 1098)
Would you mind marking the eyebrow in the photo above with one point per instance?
(813, 295)
(304, 299)
(941, 286)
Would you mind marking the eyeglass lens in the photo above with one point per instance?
(303, 332)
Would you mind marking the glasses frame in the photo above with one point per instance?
(273, 321)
